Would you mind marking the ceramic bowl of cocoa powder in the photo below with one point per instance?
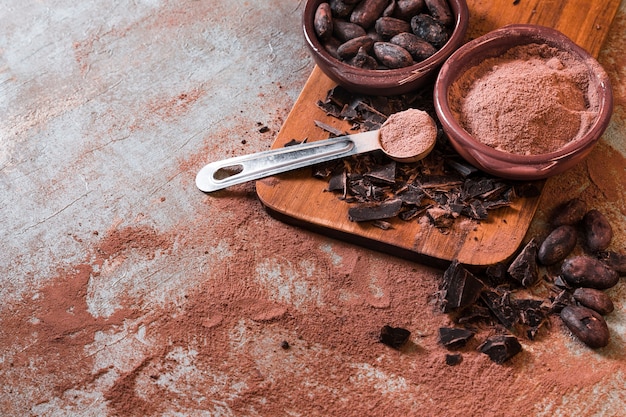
(523, 102)
(442, 22)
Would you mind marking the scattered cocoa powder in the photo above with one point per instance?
(534, 99)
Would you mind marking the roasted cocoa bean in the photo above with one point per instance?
(390, 9)
(587, 325)
(375, 35)
(363, 60)
(323, 21)
(440, 10)
(392, 56)
(570, 212)
(344, 31)
(558, 245)
(366, 12)
(418, 48)
(406, 9)
(331, 46)
(598, 231)
(594, 299)
(350, 48)
(614, 260)
(429, 29)
(340, 8)
(585, 271)
(388, 27)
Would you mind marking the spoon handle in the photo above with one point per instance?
(221, 174)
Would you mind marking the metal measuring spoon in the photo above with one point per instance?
(221, 174)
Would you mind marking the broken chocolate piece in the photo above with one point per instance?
(454, 337)
(375, 211)
(394, 337)
(501, 348)
(524, 267)
(460, 287)
(499, 302)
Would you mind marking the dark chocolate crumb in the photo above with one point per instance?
(453, 359)
(394, 337)
(285, 345)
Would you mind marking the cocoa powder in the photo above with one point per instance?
(534, 99)
(408, 133)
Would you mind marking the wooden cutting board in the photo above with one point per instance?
(298, 198)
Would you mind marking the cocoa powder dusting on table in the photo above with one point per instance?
(534, 99)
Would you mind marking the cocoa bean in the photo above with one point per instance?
(558, 245)
(406, 9)
(344, 31)
(594, 299)
(363, 60)
(390, 9)
(323, 21)
(375, 35)
(350, 48)
(341, 8)
(587, 325)
(418, 48)
(614, 260)
(440, 10)
(367, 11)
(388, 27)
(392, 56)
(429, 29)
(331, 46)
(351, 1)
(584, 271)
(598, 231)
(570, 212)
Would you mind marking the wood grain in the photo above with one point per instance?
(300, 199)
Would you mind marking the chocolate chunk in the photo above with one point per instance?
(375, 211)
(454, 337)
(524, 267)
(501, 348)
(499, 302)
(394, 337)
(460, 288)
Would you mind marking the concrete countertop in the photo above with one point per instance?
(126, 291)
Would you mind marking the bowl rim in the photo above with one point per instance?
(524, 34)
(461, 14)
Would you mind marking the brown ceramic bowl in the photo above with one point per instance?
(509, 165)
(383, 82)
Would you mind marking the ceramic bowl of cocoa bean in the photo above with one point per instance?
(383, 47)
(523, 102)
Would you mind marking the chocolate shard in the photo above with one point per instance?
(500, 305)
(460, 288)
(524, 267)
(394, 337)
(454, 337)
(501, 348)
(383, 173)
(375, 211)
